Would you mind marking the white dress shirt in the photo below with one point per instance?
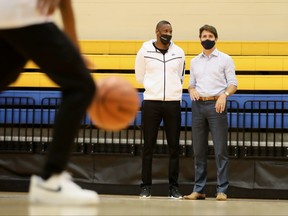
(211, 75)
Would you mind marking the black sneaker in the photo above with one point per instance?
(174, 193)
(145, 192)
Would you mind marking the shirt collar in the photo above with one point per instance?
(214, 53)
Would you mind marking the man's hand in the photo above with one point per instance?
(47, 7)
(221, 103)
(194, 95)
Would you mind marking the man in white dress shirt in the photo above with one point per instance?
(212, 81)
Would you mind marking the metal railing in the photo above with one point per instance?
(258, 129)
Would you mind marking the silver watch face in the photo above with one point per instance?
(226, 93)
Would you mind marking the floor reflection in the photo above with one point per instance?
(39, 210)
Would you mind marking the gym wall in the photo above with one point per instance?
(235, 20)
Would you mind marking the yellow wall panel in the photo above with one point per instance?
(285, 83)
(246, 82)
(278, 48)
(285, 64)
(246, 63)
(242, 63)
(255, 48)
(130, 77)
(193, 47)
(104, 62)
(120, 47)
(33, 80)
(110, 47)
(231, 48)
(127, 62)
(186, 81)
(269, 82)
(190, 47)
(94, 47)
(271, 63)
(184, 45)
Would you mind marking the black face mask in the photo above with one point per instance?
(208, 44)
(165, 39)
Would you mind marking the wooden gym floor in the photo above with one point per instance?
(17, 204)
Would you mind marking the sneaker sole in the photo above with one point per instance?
(38, 197)
(144, 197)
(59, 203)
(170, 197)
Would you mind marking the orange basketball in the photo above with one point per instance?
(115, 104)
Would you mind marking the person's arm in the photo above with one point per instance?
(231, 89)
(140, 67)
(69, 24)
(68, 20)
(47, 7)
(230, 75)
(194, 95)
(232, 84)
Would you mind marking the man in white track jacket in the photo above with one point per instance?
(160, 67)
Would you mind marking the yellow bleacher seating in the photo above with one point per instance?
(125, 47)
(242, 63)
(251, 82)
(120, 55)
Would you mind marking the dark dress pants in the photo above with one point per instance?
(205, 118)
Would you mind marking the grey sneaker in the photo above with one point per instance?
(174, 193)
(145, 192)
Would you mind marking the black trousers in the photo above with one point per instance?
(153, 113)
(59, 58)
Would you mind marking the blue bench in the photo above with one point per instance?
(33, 107)
(37, 95)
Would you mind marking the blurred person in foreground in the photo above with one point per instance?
(27, 32)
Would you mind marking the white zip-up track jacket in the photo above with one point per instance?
(161, 74)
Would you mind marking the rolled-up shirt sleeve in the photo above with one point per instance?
(192, 81)
(230, 72)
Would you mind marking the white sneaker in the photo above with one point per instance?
(60, 190)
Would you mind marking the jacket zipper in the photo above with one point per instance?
(164, 60)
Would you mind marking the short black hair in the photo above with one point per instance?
(162, 22)
(208, 28)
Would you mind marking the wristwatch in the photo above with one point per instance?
(226, 93)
